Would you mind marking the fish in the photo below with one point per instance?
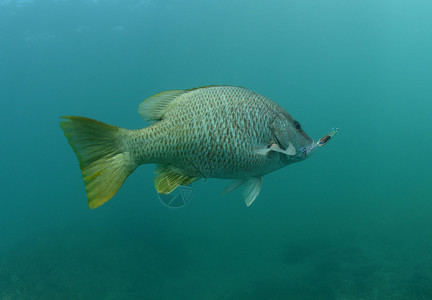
(225, 132)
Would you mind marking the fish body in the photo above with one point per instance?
(210, 132)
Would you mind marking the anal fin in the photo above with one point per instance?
(168, 179)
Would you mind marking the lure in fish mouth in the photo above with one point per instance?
(307, 151)
(223, 132)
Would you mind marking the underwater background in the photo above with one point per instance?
(353, 221)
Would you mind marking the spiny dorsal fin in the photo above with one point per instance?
(168, 179)
(154, 108)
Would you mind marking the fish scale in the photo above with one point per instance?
(206, 109)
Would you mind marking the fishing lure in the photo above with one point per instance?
(321, 142)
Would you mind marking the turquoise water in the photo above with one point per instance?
(353, 221)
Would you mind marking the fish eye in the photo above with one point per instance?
(297, 125)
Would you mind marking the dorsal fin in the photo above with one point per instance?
(154, 108)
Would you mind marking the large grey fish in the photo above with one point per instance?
(208, 132)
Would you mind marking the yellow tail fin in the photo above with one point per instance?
(104, 164)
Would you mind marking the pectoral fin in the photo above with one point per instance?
(291, 150)
(252, 188)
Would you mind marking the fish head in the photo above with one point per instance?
(303, 143)
(291, 138)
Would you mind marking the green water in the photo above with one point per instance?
(353, 221)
